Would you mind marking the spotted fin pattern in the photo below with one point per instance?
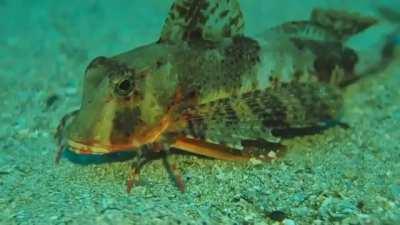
(253, 115)
(210, 20)
(344, 24)
(325, 26)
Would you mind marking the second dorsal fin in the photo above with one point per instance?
(325, 25)
(210, 20)
(344, 24)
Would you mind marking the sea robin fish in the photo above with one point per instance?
(206, 88)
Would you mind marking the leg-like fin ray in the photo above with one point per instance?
(208, 149)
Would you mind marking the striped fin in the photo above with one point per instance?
(326, 26)
(344, 24)
(210, 20)
(254, 115)
(305, 30)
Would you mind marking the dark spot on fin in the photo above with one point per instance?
(387, 54)
(344, 24)
(241, 56)
(209, 20)
(331, 56)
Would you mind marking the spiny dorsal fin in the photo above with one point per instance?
(210, 20)
(344, 24)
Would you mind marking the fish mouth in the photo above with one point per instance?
(84, 146)
(89, 138)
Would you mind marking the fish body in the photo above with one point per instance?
(207, 88)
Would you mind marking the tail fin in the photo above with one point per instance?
(327, 34)
(393, 17)
(386, 51)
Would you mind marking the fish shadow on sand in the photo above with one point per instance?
(98, 159)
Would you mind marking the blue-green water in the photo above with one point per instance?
(340, 176)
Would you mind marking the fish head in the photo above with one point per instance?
(128, 99)
(122, 106)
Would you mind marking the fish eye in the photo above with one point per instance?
(124, 87)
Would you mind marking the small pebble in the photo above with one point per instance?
(289, 222)
(255, 161)
(272, 154)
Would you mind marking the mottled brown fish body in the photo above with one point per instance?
(205, 83)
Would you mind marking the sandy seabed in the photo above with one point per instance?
(341, 176)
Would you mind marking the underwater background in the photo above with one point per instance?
(340, 176)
